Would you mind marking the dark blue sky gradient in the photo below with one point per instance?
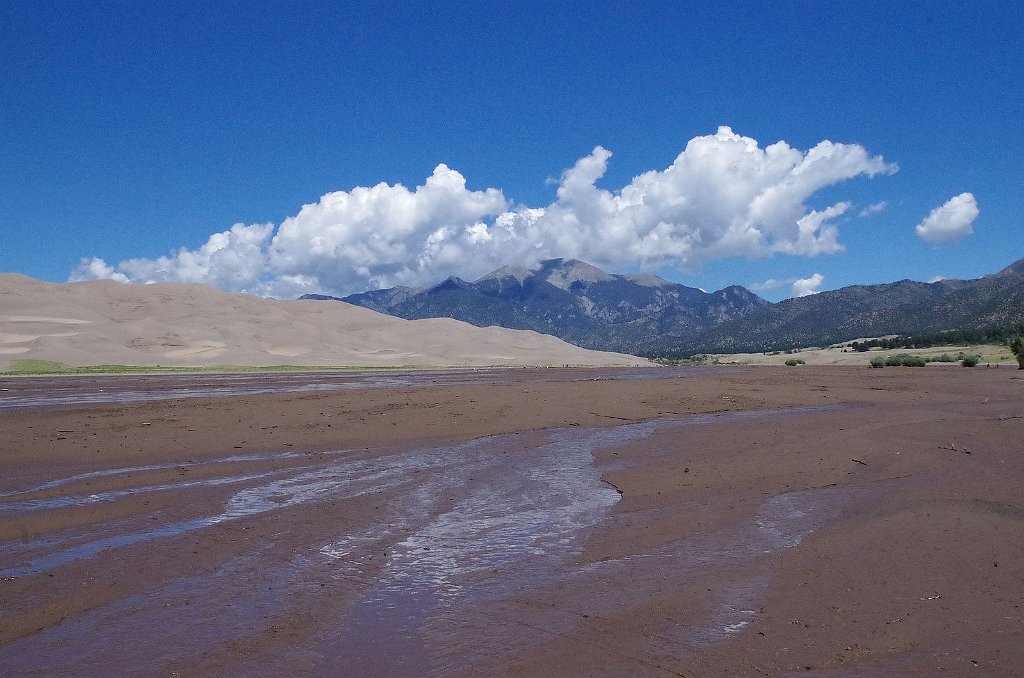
(128, 129)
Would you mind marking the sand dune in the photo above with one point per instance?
(105, 322)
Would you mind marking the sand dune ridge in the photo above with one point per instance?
(175, 324)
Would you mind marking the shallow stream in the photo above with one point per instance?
(463, 535)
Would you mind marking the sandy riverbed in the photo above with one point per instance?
(828, 521)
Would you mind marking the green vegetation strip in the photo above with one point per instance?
(959, 337)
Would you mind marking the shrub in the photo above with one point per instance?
(1016, 345)
(793, 362)
(878, 361)
(944, 358)
(905, 360)
(971, 360)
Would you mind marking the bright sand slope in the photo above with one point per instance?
(109, 323)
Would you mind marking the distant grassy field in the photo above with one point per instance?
(44, 367)
(990, 354)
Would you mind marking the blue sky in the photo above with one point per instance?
(133, 132)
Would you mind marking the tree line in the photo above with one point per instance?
(957, 337)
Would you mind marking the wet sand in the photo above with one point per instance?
(821, 521)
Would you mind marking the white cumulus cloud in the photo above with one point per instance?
(233, 259)
(950, 221)
(94, 268)
(803, 287)
(723, 196)
(385, 234)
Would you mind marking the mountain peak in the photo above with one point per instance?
(519, 273)
(451, 281)
(647, 280)
(562, 273)
(1016, 268)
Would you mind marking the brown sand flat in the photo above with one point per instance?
(764, 521)
(108, 323)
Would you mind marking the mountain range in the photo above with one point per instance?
(905, 307)
(570, 299)
(647, 315)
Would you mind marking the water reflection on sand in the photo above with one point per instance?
(50, 392)
(437, 581)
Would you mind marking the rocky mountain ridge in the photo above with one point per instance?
(905, 307)
(647, 315)
(570, 299)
